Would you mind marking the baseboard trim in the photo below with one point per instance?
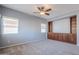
(18, 44)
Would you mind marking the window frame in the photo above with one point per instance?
(43, 28)
(4, 26)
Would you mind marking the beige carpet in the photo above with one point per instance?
(45, 47)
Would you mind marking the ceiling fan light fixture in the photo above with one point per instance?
(43, 10)
(42, 13)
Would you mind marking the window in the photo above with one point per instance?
(62, 26)
(43, 28)
(10, 25)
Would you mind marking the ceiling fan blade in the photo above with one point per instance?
(47, 14)
(39, 8)
(42, 7)
(48, 10)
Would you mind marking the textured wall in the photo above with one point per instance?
(29, 28)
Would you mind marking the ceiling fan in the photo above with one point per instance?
(43, 10)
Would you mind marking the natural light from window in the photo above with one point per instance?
(43, 28)
(10, 25)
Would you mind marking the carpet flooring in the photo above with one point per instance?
(43, 47)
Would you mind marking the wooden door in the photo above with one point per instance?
(73, 29)
(50, 26)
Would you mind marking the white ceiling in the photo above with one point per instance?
(58, 9)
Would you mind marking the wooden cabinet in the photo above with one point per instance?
(65, 37)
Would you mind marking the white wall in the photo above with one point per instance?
(61, 26)
(29, 28)
(77, 29)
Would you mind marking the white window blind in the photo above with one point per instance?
(10, 25)
(43, 28)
